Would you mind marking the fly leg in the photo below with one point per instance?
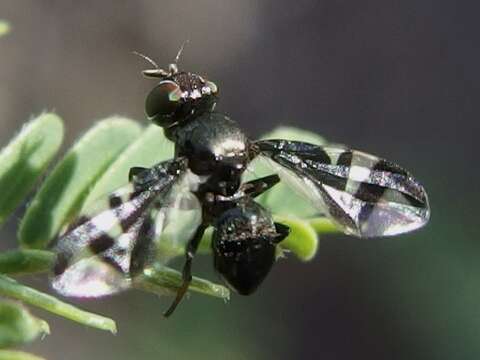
(282, 232)
(135, 171)
(191, 249)
(256, 187)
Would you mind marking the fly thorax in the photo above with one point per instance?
(214, 146)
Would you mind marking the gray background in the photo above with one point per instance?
(395, 78)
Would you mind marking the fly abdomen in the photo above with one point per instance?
(244, 245)
(245, 263)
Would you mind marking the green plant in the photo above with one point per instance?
(4, 27)
(97, 164)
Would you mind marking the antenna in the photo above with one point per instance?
(145, 57)
(152, 73)
(177, 58)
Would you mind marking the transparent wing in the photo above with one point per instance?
(114, 239)
(178, 219)
(364, 195)
(92, 263)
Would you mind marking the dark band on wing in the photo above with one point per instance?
(296, 164)
(114, 201)
(345, 158)
(115, 236)
(77, 223)
(141, 251)
(318, 155)
(132, 217)
(101, 243)
(387, 166)
(367, 192)
(62, 261)
(369, 196)
(111, 260)
(337, 212)
(272, 148)
(373, 193)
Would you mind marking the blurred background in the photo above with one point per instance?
(395, 78)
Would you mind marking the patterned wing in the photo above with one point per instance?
(179, 219)
(364, 195)
(113, 240)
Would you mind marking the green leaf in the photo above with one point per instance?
(25, 261)
(164, 280)
(205, 246)
(4, 27)
(18, 326)
(25, 158)
(150, 148)
(13, 289)
(62, 195)
(302, 240)
(17, 355)
(323, 225)
(281, 199)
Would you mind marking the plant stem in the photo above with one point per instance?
(13, 289)
(161, 279)
(17, 355)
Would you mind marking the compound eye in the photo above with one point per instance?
(162, 102)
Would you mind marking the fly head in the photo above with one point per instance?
(179, 95)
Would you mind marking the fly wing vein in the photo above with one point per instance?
(365, 195)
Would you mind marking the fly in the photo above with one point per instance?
(106, 247)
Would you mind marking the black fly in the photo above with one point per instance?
(105, 248)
